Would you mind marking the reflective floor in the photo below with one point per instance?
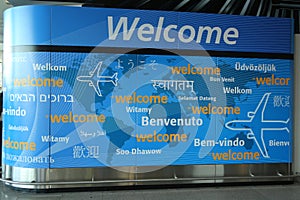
(256, 192)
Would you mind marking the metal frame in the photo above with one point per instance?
(41, 179)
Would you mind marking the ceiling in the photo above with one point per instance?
(274, 8)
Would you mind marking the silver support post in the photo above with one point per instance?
(296, 162)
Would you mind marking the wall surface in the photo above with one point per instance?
(297, 107)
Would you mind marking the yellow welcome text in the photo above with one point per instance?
(77, 118)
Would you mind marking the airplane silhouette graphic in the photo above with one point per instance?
(95, 78)
(256, 125)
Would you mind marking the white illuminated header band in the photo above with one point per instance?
(126, 28)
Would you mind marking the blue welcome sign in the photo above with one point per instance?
(94, 87)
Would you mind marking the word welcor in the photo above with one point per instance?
(281, 81)
(148, 33)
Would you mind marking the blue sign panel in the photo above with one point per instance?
(75, 103)
(71, 26)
